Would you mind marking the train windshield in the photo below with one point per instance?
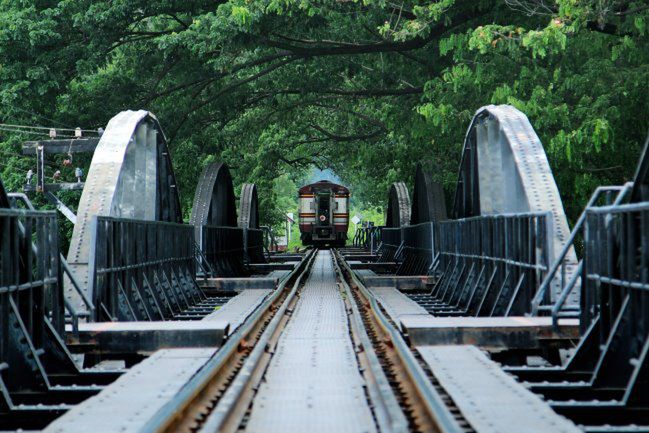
(323, 209)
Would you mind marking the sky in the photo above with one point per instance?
(327, 174)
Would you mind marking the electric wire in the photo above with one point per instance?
(9, 125)
(23, 131)
(31, 113)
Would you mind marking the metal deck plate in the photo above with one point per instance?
(511, 332)
(364, 273)
(313, 383)
(278, 274)
(380, 267)
(128, 403)
(237, 284)
(396, 304)
(399, 282)
(266, 268)
(237, 309)
(490, 400)
(125, 337)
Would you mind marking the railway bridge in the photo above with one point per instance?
(491, 315)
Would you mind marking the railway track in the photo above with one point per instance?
(319, 355)
(426, 405)
(188, 411)
(460, 325)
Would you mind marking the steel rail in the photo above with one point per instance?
(389, 415)
(231, 408)
(424, 391)
(198, 396)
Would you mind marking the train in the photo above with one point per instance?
(323, 214)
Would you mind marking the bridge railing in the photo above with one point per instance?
(360, 237)
(614, 352)
(254, 246)
(570, 280)
(32, 318)
(418, 249)
(374, 238)
(389, 248)
(367, 237)
(228, 250)
(30, 270)
(492, 265)
(142, 270)
(224, 249)
(615, 277)
(19, 200)
(270, 243)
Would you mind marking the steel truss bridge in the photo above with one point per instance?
(491, 316)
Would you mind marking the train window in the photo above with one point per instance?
(312, 205)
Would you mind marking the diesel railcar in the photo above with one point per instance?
(324, 214)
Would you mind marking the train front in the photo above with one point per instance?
(324, 214)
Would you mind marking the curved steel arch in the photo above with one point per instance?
(504, 170)
(130, 176)
(428, 201)
(214, 202)
(398, 212)
(214, 217)
(253, 236)
(249, 207)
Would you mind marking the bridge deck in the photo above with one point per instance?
(397, 304)
(128, 403)
(504, 332)
(313, 382)
(491, 400)
(237, 309)
(147, 337)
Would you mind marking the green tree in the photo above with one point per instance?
(368, 88)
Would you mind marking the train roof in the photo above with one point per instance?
(324, 184)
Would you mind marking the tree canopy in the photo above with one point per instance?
(367, 88)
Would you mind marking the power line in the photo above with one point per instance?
(39, 115)
(46, 128)
(23, 131)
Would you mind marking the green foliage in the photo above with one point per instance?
(369, 89)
